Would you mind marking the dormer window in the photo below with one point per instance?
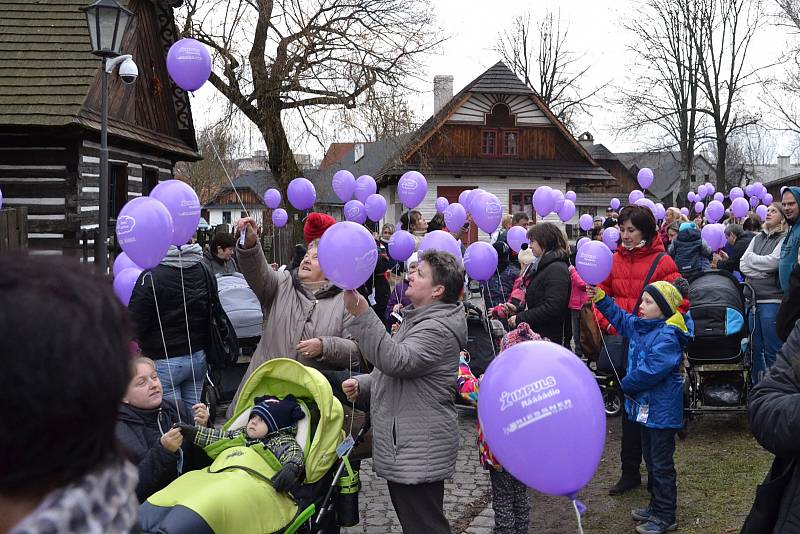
(489, 143)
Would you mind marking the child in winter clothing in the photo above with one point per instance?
(690, 252)
(272, 422)
(509, 495)
(516, 297)
(577, 298)
(653, 389)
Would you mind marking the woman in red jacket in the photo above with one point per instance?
(639, 247)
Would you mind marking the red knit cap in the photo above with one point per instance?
(315, 226)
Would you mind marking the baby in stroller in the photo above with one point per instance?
(272, 422)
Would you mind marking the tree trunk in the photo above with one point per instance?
(722, 155)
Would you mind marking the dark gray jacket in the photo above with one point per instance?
(759, 265)
(411, 391)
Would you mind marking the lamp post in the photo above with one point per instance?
(107, 22)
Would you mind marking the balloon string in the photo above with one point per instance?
(486, 316)
(228, 176)
(577, 515)
(163, 340)
(611, 361)
(186, 318)
(500, 281)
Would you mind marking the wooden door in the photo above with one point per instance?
(451, 192)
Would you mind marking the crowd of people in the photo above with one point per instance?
(395, 348)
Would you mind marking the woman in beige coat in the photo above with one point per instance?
(304, 316)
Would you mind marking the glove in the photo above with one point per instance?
(187, 431)
(286, 478)
(599, 295)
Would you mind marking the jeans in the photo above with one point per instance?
(576, 330)
(766, 342)
(658, 448)
(176, 378)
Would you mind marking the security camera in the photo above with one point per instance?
(128, 71)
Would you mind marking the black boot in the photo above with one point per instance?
(626, 482)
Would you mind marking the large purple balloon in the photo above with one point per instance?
(480, 260)
(715, 211)
(585, 222)
(611, 238)
(441, 204)
(634, 195)
(301, 193)
(567, 211)
(365, 186)
(645, 178)
(709, 188)
(749, 189)
(516, 236)
(441, 241)
(464, 196)
(758, 189)
(354, 211)
(189, 64)
(543, 200)
(455, 216)
(487, 212)
(761, 211)
(472, 197)
(570, 195)
(411, 189)
(347, 254)
(714, 235)
(698, 207)
(735, 193)
(767, 199)
(647, 203)
(582, 241)
(122, 262)
(272, 198)
(280, 217)
(702, 192)
(543, 416)
(144, 231)
(739, 207)
(593, 262)
(401, 245)
(344, 184)
(184, 207)
(375, 207)
(124, 283)
(615, 203)
(719, 197)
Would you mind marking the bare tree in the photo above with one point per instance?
(279, 58)
(207, 176)
(541, 56)
(382, 114)
(781, 93)
(661, 97)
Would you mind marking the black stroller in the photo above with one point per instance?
(718, 358)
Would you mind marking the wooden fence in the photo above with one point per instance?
(13, 228)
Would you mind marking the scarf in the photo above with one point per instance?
(641, 244)
(102, 501)
(189, 255)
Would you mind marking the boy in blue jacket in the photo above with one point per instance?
(653, 390)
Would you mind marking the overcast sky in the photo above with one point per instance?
(595, 28)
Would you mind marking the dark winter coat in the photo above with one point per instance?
(739, 248)
(774, 413)
(217, 266)
(139, 433)
(168, 295)
(547, 298)
(789, 312)
(690, 252)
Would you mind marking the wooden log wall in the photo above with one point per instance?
(13, 229)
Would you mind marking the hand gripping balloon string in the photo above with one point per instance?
(579, 508)
(163, 339)
(228, 176)
(186, 317)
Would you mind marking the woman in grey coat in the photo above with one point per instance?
(410, 390)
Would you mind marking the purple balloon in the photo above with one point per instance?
(122, 262)
(582, 241)
(634, 195)
(411, 189)
(759, 189)
(691, 196)
(464, 196)
(645, 178)
(543, 416)
(184, 207)
(375, 207)
(615, 203)
(543, 200)
(472, 197)
(593, 262)
(441, 204)
(761, 211)
(516, 236)
(611, 237)
(1, 198)
(124, 283)
(767, 199)
(144, 231)
(719, 197)
(698, 207)
(455, 216)
(280, 217)
(647, 203)
(272, 198)
(365, 186)
(749, 190)
(739, 207)
(660, 212)
(487, 212)
(685, 211)
(754, 201)
(441, 241)
(301, 194)
(570, 195)
(713, 235)
(735, 193)
(559, 199)
(567, 211)
(585, 222)
(715, 211)
(347, 254)
(344, 184)
(702, 192)
(480, 261)
(189, 64)
(401, 245)
(709, 188)
(354, 211)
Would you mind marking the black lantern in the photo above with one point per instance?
(107, 21)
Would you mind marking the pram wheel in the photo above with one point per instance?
(210, 399)
(613, 401)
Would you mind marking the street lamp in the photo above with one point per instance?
(107, 22)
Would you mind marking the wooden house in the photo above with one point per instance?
(50, 118)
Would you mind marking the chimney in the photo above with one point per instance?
(586, 139)
(783, 166)
(442, 91)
